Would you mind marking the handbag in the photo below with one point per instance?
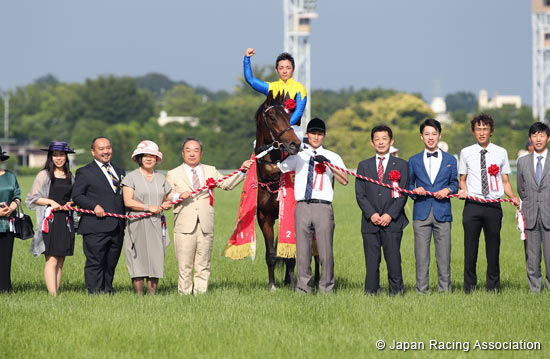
(22, 225)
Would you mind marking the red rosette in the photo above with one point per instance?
(211, 183)
(395, 175)
(493, 170)
(320, 169)
(290, 105)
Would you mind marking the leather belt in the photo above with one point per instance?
(321, 201)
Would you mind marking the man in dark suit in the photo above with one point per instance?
(383, 217)
(436, 171)
(97, 187)
(534, 191)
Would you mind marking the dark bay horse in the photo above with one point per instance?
(273, 129)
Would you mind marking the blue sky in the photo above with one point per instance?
(433, 47)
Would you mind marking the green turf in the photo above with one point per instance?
(240, 317)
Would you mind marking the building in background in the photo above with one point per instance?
(540, 22)
(297, 28)
(439, 107)
(483, 101)
(165, 119)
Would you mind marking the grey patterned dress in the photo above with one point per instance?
(144, 242)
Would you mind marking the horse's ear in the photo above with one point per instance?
(280, 97)
(269, 97)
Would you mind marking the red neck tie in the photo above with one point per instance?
(381, 169)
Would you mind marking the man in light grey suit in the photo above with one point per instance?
(534, 191)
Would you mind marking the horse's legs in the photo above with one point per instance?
(266, 225)
(289, 274)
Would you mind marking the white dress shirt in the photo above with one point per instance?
(433, 164)
(470, 164)
(300, 164)
(104, 170)
(384, 161)
(536, 160)
(189, 172)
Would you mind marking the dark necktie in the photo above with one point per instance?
(431, 154)
(309, 185)
(484, 183)
(381, 169)
(114, 180)
(538, 172)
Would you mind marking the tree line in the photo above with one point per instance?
(126, 109)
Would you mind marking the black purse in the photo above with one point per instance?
(22, 223)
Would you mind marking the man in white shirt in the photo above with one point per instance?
(534, 191)
(483, 171)
(313, 190)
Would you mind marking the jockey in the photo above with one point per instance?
(284, 65)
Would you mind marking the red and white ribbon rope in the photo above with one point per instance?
(519, 214)
(48, 217)
(209, 185)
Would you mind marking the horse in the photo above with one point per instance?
(273, 129)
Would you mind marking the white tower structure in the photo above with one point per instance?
(297, 25)
(541, 57)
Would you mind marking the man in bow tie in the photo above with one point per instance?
(435, 171)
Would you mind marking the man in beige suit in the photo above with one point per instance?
(194, 216)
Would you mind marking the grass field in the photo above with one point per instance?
(239, 316)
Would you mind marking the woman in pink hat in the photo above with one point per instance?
(145, 239)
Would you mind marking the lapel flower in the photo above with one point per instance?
(493, 170)
(395, 175)
(290, 105)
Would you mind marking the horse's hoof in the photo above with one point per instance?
(272, 288)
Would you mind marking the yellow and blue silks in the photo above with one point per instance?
(290, 89)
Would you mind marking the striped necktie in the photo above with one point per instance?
(114, 180)
(381, 169)
(484, 182)
(196, 182)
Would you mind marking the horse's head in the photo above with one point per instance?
(273, 124)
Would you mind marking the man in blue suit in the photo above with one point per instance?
(435, 171)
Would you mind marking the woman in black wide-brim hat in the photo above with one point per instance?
(10, 197)
(50, 193)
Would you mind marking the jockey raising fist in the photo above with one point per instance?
(284, 65)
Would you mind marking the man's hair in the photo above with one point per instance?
(432, 123)
(188, 139)
(97, 138)
(539, 127)
(285, 56)
(485, 119)
(381, 128)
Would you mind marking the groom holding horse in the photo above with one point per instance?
(313, 190)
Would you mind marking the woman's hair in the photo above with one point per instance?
(50, 166)
(139, 159)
